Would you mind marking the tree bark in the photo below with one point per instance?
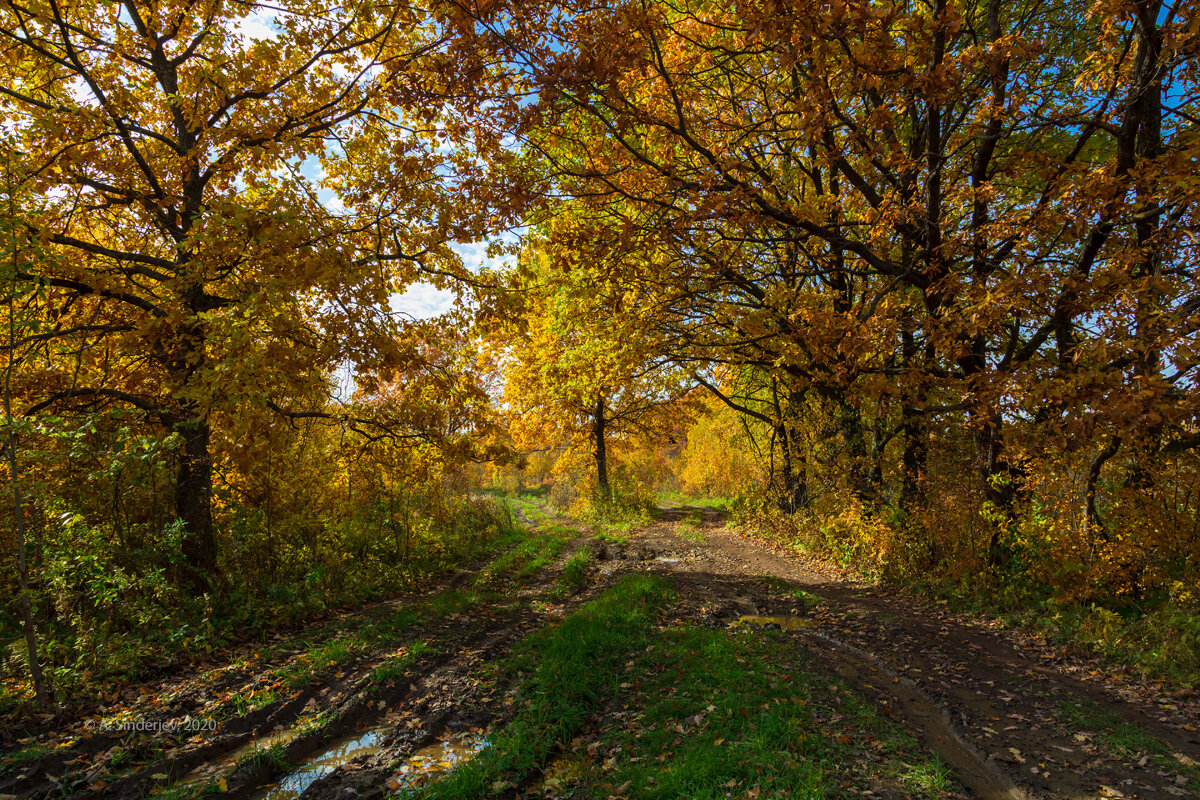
(193, 498)
(600, 452)
(1095, 526)
(1144, 127)
(912, 428)
(795, 472)
(27, 620)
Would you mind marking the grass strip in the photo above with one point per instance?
(573, 667)
(712, 714)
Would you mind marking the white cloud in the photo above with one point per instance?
(258, 25)
(422, 301)
(475, 257)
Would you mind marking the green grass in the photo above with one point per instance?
(527, 558)
(722, 714)
(526, 554)
(322, 660)
(531, 504)
(617, 537)
(575, 571)
(698, 713)
(121, 759)
(396, 666)
(451, 601)
(189, 791)
(244, 704)
(265, 758)
(1121, 737)
(695, 500)
(571, 668)
(689, 526)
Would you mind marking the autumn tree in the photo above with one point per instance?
(197, 268)
(579, 364)
(951, 210)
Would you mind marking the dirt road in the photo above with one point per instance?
(1012, 718)
(384, 698)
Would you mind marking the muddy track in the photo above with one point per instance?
(450, 699)
(994, 711)
(349, 702)
(930, 723)
(998, 716)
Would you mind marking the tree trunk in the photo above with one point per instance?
(193, 499)
(795, 472)
(1145, 127)
(1095, 525)
(601, 452)
(912, 428)
(27, 621)
(795, 479)
(854, 437)
(1002, 481)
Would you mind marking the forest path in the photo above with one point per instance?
(346, 709)
(1012, 717)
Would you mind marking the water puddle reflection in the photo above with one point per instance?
(431, 761)
(317, 767)
(784, 623)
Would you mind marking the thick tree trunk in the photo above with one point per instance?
(795, 467)
(855, 439)
(1002, 481)
(914, 456)
(879, 442)
(1145, 127)
(600, 452)
(193, 498)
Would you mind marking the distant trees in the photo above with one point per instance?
(580, 365)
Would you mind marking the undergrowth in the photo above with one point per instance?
(114, 624)
(1157, 634)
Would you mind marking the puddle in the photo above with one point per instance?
(319, 766)
(785, 623)
(561, 773)
(668, 559)
(213, 769)
(432, 760)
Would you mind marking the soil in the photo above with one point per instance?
(1000, 708)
